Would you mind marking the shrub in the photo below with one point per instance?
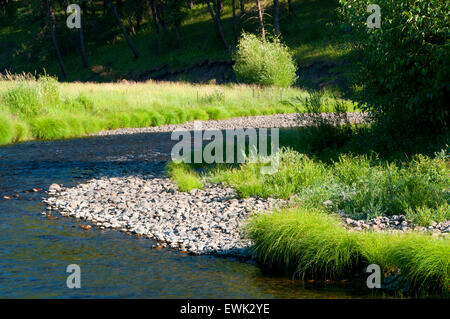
(403, 77)
(264, 62)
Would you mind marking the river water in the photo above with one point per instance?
(35, 250)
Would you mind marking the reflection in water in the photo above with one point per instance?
(35, 250)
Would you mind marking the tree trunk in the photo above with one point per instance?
(52, 23)
(84, 7)
(177, 34)
(242, 6)
(124, 32)
(216, 18)
(130, 22)
(139, 6)
(105, 8)
(155, 20)
(82, 46)
(289, 7)
(260, 18)
(276, 17)
(160, 13)
(92, 7)
(233, 3)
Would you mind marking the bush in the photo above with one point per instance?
(403, 77)
(264, 62)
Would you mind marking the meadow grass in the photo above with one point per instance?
(47, 109)
(308, 242)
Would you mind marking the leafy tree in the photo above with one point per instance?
(404, 70)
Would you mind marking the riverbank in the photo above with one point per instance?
(298, 241)
(45, 109)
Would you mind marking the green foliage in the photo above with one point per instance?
(363, 186)
(326, 130)
(404, 65)
(32, 97)
(50, 127)
(6, 129)
(304, 242)
(93, 107)
(264, 62)
(309, 243)
(185, 177)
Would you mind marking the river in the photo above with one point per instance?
(35, 250)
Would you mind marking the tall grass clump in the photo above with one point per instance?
(264, 62)
(184, 176)
(424, 262)
(6, 129)
(304, 242)
(30, 98)
(307, 242)
(296, 171)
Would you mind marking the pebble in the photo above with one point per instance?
(200, 222)
(259, 121)
(395, 223)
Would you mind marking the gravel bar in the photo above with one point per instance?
(204, 221)
(261, 121)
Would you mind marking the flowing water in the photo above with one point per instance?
(35, 250)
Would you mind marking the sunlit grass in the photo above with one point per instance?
(309, 243)
(50, 110)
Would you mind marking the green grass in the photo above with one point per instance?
(360, 185)
(363, 186)
(185, 177)
(46, 109)
(309, 243)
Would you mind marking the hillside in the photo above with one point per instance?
(319, 48)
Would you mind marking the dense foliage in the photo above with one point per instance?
(264, 62)
(404, 76)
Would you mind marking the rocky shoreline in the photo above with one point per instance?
(396, 223)
(260, 121)
(200, 222)
(207, 221)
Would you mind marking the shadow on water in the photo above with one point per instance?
(35, 250)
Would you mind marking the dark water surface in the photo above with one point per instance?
(35, 250)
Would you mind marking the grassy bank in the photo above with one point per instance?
(47, 109)
(309, 243)
(362, 186)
